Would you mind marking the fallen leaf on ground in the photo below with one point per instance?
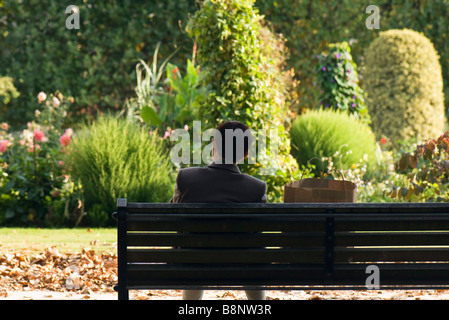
(52, 270)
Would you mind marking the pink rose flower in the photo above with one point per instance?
(39, 135)
(65, 140)
(69, 132)
(4, 144)
(56, 102)
(33, 148)
(41, 97)
(5, 126)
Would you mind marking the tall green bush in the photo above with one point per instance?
(338, 81)
(245, 79)
(114, 158)
(332, 134)
(404, 86)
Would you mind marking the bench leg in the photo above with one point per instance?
(123, 294)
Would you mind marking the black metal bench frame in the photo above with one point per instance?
(281, 246)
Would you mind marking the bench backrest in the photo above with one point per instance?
(224, 245)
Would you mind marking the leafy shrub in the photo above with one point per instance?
(115, 158)
(426, 169)
(7, 91)
(246, 80)
(35, 187)
(404, 86)
(338, 81)
(332, 134)
(373, 186)
(170, 102)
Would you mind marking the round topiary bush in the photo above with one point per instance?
(332, 134)
(404, 86)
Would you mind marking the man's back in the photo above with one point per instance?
(220, 183)
(217, 183)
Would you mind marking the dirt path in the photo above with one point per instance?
(233, 295)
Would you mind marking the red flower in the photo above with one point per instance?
(39, 135)
(33, 148)
(383, 141)
(65, 140)
(4, 144)
(175, 72)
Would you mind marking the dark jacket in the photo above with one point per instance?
(217, 183)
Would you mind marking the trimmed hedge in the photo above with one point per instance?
(96, 63)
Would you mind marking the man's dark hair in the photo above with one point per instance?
(236, 139)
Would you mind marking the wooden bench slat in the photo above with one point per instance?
(279, 275)
(301, 222)
(228, 225)
(239, 240)
(376, 255)
(386, 238)
(353, 208)
(395, 274)
(244, 256)
(392, 224)
(213, 274)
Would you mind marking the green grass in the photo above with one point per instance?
(36, 240)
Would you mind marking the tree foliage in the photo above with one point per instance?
(338, 80)
(245, 81)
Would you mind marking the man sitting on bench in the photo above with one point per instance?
(221, 181)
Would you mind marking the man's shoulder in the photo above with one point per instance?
(192, 170)
(254, 180)
(195, 172)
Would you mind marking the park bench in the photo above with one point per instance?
(284, 246)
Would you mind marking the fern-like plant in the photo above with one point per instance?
(115, 158)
